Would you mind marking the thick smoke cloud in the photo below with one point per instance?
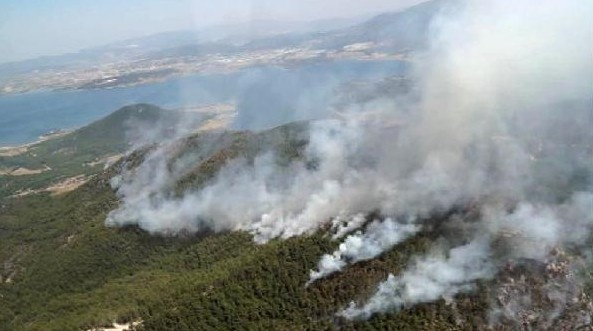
(496, 87)
(258, 198)
(501, 123)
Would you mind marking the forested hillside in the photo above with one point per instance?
(63, 269)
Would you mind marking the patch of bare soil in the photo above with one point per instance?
(222, 119)
(67, 185)
(108, 160)
(222, 115)
(22, 171)
(64, 186)
(13, 151)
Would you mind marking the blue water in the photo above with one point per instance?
(265, 96)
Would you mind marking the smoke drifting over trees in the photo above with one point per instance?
(501, 125)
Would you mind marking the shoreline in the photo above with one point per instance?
(15, 150)
(18, 149)
(217, 69)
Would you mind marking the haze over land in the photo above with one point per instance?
(33, 29)
(430, 168)
(219, 50)
(219, 64)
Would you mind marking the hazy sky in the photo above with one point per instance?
(33, 28)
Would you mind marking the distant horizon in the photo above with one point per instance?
(29, 30)
(195, 30)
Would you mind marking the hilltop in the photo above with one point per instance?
(87, 150)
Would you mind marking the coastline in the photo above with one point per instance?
(15, 150)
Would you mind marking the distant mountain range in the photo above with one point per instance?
(399, 31)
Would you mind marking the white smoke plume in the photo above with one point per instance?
(502, 121)
(531, 231)
(536, 229)
(498, 84)
(428, 279)
(260, 198)
(344, 224)
(379, 236)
